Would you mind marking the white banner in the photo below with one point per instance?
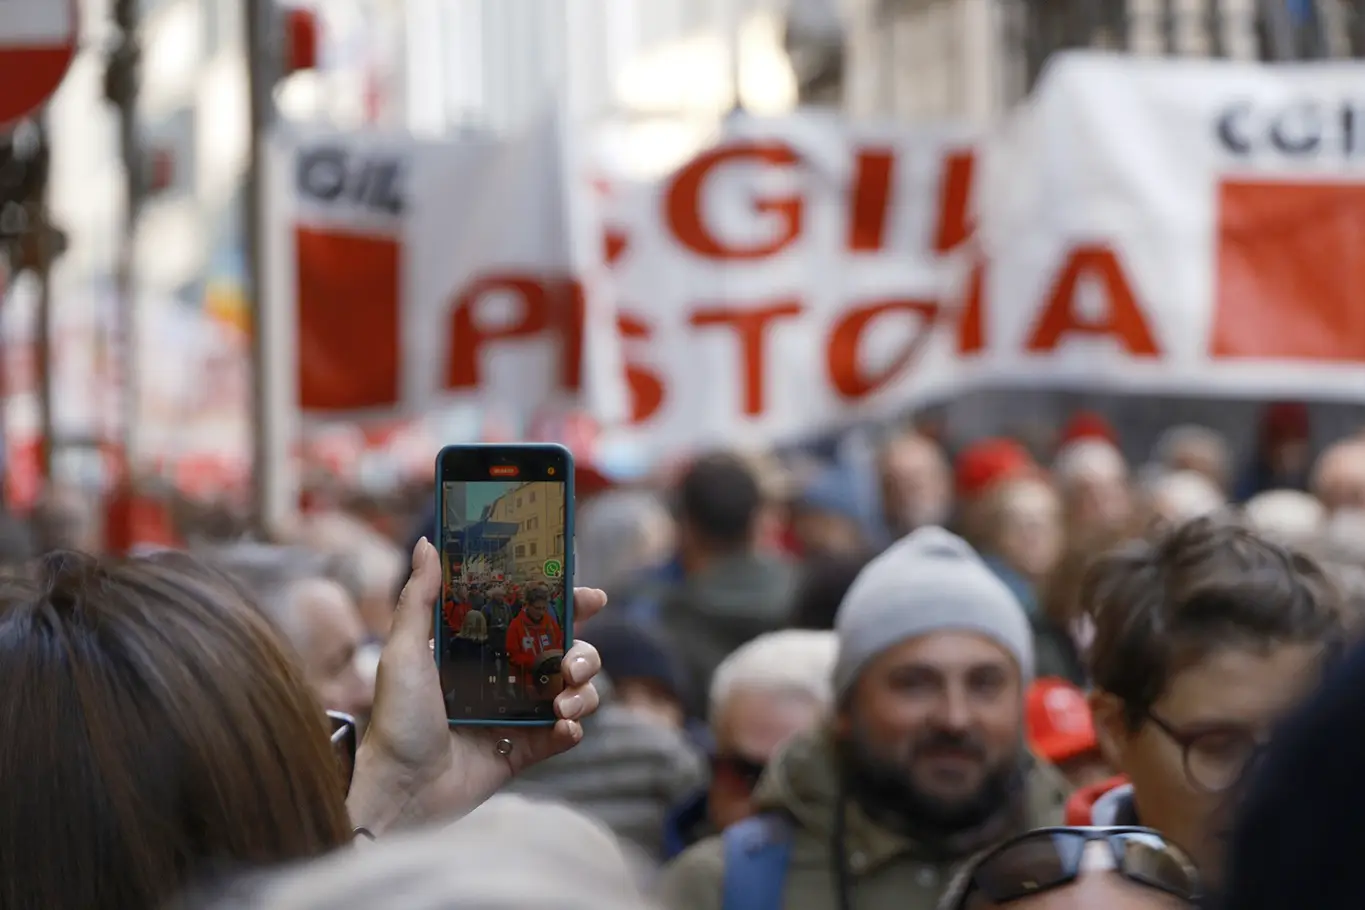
(1177, 226)
(784, 282)
(787, 281)
(424, 274)
(1142, 225)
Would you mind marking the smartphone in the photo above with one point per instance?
(505, 617)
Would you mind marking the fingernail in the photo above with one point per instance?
(576, 730)
(572, 707)
(417, 552)
(580, 669)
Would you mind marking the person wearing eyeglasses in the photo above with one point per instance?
(1204, 637)
(921, 765)
(1078, 869)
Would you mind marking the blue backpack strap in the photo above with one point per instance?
(757, 851)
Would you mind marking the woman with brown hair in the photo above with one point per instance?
(158, 734)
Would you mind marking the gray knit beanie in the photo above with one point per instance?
(930, 581)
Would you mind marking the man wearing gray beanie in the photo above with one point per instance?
(930, 581)
(922, 764)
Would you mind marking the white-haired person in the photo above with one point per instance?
(374, 563)
(1093, 480)
(1175, 497)
(308, 598)
(772, 688)
(1291, 516)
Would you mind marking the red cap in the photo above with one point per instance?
(1058, 720)
(1087, 425)
(983, 464)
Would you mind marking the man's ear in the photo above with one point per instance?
(1111, 727)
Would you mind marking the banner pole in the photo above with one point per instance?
(127, 346)
(274, 499)
(40, 234)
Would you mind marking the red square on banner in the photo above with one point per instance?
(1290, 271)
(349, 336)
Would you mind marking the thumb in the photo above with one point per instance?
(412, 621)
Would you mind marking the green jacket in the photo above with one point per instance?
(888, 871)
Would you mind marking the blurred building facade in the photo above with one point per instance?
(492, 64)
(537, 509)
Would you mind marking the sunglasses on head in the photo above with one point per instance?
(1049, 858)
(345, 736)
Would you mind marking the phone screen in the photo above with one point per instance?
(505, 615)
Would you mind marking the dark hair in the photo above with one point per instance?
(160, 736)
(824, 582)
(1166, 603)
(719, 498)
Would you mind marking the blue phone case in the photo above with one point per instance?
(568, 566)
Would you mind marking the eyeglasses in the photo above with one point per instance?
(1215, 759)
(1049, 858)
(735, 766)
(345, 737)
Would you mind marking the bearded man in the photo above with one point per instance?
(922, 764)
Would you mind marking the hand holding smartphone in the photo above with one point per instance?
(505, 617)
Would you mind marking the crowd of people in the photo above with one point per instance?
(978, 678)
(500, 640)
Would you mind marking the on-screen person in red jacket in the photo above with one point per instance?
(533, 634)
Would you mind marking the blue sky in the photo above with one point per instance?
(483, 493)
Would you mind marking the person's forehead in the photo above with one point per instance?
(1100, 472)
(320, 601)
(1240, 685)
(754, 723)
(1343, 459)
(1031, 497)
(948, 651)
(911, 454)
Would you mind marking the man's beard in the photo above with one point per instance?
(886, 792)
